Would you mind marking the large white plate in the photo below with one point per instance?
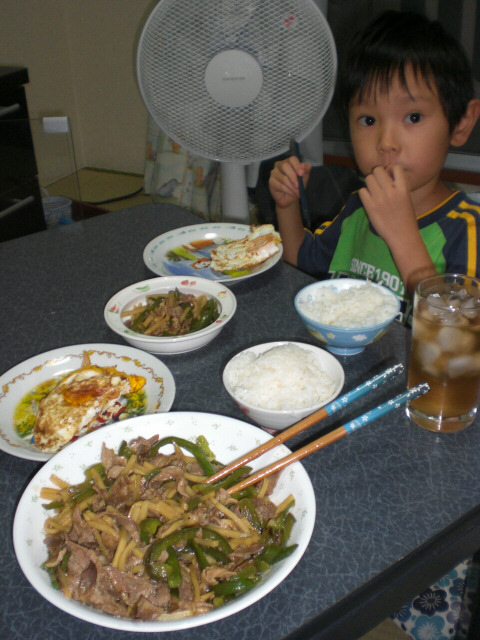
(155, 254)
(229, 438)
(24, 377)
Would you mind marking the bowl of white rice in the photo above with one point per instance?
(346, 314)
(278, 383)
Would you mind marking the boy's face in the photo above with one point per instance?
(402, 127)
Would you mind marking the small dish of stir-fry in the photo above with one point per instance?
(172, 314)
(145, 537)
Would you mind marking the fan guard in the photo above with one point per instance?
(234, 80)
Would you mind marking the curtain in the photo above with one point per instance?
(174, 175)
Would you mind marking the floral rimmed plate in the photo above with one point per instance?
(26, 376)
(228, 438)
(186, 251)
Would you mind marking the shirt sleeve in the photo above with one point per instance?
(317, 249)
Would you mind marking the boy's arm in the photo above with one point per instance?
(283, 184)
(389, 206)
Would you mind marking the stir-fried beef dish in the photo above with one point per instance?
(145, 537)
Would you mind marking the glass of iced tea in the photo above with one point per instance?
(446, 352)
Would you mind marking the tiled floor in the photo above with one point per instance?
(97, 186)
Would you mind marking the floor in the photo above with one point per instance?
(112, 191)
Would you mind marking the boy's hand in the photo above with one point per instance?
(283, 182)
(388, 202)
(389, 206)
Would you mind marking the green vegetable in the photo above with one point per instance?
(208, 314)
(156, 569)
(205, 464)
(229, 481)
(249, 511)
(233, 587)
(148, 528)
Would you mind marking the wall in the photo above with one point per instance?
(80, 56)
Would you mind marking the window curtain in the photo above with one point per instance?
(174, 175)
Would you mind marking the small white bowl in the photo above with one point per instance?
(343, 341)
(281, 419)
(137, 293)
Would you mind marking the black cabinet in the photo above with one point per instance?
(21, 210)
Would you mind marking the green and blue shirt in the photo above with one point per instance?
(349, 246)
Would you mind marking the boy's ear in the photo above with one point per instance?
(464, 128)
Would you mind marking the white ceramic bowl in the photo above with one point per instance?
(137, 293)
(228, 439)
(281, 419)
(340, 340)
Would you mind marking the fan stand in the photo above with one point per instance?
(233, 181)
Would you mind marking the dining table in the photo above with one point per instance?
(396, 505)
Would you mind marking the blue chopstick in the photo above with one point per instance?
(295, 151)
(394, 403)
(333, 436)
(362, 389)
(310, 420)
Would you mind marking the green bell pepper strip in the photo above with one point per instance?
(205, 464)
(202, 561)
(219, 556)
(223, 545)
(193, 503)
(249, 511)
(124, 450)
(233, 587)
(182, 535)
(150, 475)
(208, 315)
(227, 482)
(156, 549)
(174, 575)
(274, 553)
(137, 324)
(148, 528)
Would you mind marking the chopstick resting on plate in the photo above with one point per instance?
(314, 418)
(295, 151)
(382, 409)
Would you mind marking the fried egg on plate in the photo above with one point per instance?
(82, 400)
(248, 252)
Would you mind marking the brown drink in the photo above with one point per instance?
(446, 352)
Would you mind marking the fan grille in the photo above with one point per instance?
(290, 40)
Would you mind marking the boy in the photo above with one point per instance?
(408, 94)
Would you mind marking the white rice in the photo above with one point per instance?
(282, 378)
(359, 306)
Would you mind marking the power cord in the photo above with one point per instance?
(117, 199)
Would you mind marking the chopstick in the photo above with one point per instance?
(309, 421)
(295, 151)
(382, 409)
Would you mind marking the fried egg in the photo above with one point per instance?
(82, 400)
(248, 252)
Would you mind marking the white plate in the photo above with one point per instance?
(228, 438)
(155, 254)
(24, 377)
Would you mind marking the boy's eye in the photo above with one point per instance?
(366, 121)
(413, 118)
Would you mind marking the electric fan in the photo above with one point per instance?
(235, 80)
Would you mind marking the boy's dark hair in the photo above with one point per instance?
(397, 40)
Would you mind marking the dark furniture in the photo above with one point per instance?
(20, 199)
(397, 506)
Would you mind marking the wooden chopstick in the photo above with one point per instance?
(340, 432)
(309, 421)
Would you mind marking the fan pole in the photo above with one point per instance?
(234, 192)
